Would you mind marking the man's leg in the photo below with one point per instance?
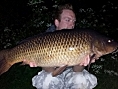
(80, 80)
(45, 80)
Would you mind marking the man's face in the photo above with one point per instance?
(67, 20)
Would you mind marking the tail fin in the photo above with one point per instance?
(4, 65)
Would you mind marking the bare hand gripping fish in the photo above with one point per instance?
(54, 49)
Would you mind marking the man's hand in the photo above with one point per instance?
(30, 63)
(88, 60)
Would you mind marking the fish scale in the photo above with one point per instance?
(65, 47)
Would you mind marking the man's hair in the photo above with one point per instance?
(60, 9)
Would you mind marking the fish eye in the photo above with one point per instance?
(109, 41)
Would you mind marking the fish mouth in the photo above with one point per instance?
(115, 50)
(113, 47)
(116, 47)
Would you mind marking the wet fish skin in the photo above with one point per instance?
(65, 47)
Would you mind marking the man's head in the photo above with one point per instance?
(65, 17)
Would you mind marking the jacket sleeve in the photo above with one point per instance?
(51, 28)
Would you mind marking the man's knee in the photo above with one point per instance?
(45, 80)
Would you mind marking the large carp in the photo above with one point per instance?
(65, 47)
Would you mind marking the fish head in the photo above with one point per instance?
(110, 46)
(104, 45)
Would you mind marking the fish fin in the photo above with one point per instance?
(59, 70)
(4, 65)
(91, 58)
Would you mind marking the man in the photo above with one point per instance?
(75, 77)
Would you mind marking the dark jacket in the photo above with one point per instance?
(52, 28)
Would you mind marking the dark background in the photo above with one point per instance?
(19, 20)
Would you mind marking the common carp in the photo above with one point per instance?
(54, 49)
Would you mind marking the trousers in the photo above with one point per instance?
(67, 80)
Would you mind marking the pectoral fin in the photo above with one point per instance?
(59, 70)
(91, 58)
